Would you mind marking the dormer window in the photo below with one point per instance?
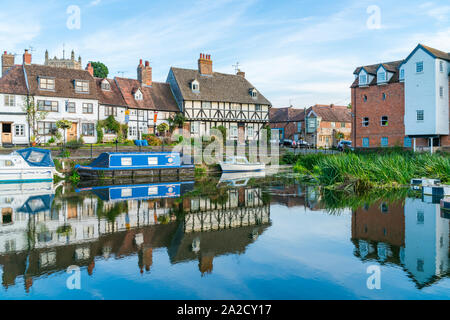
(81, 86)
(47, 83)
(253, 93)
(105, 85)
(195, 86)
(362, 79)
(382, 75)
(138, 95)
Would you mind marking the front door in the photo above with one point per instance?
(6, 133)
(241, 133)
(72, 132)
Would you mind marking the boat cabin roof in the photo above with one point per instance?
(36, 157)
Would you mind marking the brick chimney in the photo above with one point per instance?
(7, 62)
(240, 73)
(144, 73)
(205, 64)
(90, 69)
(26, 57)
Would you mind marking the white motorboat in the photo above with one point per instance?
(240, 164)
(27, 165)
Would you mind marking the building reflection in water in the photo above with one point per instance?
(412, 233)
(45, 230)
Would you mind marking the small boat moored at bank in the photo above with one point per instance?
(27, 165)
(240, 164)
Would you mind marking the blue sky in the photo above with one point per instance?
(294, 52)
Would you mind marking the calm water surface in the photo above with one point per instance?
(219, 239)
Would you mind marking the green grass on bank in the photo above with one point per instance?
(362, 171)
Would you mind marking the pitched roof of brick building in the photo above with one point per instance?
(289, 114)
(332, 113)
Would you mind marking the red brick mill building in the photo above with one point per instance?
(403, 103)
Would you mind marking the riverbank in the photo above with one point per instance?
(360, 172)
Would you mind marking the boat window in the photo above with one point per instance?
(127, 192)
(152, 161)
(152, 191)
(228, 160)
(9, 163)
(126, 161)
(240, 160)
(35, 157)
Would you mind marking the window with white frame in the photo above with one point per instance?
(81, 86)
(19, 130)
(250, 132)
(10, 100)
(132, 131)
(88, 108)
(47, 83)
(382, 76)
(138, 95)
(233, 131)
(71, 107)
(419, 67)
(441, 66)
(195, 127)
(195, 86)
(420, 115)
(362, 79)
(87, 129)
(258, 107)
(47, 105)
(105, 85)
(441, 92)
(46, 128)
(365, 122)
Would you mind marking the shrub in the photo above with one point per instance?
(75, 144)
(152, 140)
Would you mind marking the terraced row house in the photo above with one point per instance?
(64, 90)
(403, 103)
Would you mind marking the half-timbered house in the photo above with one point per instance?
(211, 99)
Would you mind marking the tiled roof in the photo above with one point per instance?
(392, 67)
(14, 81)
(216, 87)
(111, 97)
(332, 113)
(64, 81)
(289, 114)
(437, 53)
(156, 97)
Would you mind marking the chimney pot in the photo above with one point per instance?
(147, 64)
(26, 58)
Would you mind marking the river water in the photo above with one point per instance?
(220, 238)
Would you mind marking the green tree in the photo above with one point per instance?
(100, 69)
(176, 122)
(33, 115)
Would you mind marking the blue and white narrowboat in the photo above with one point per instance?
(141, 191)
(135, 164)
(27, 165)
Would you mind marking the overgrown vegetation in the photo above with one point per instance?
(359, 172)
